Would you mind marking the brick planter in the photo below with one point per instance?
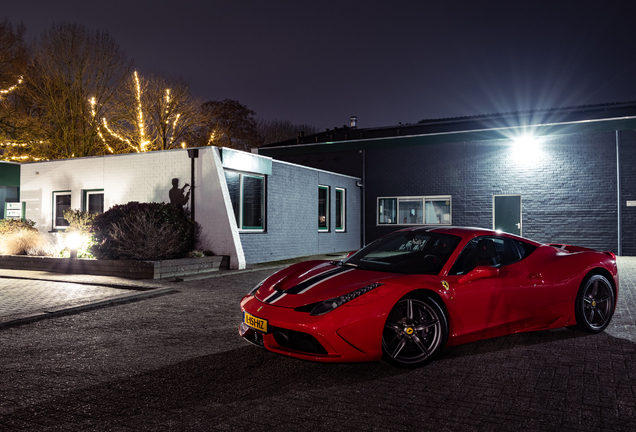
(128, 269)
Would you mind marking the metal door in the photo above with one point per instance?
(507, 213)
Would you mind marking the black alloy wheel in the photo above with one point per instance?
(415, 329)
(594, 305)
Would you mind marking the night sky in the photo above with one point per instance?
(320, 62)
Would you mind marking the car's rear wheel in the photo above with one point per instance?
(415, 329)
(594, 304)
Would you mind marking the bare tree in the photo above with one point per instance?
(228, 123)
(151, 114)
(13, 63)
(73, 77)
(13, 57)
(274, 131)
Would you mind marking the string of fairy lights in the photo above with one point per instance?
(17, 144)
(13, 87)
(102, 125)
(144, 143)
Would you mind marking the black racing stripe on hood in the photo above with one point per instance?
(303, 285)
(274, 297)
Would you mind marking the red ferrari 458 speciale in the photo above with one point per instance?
(412, 292)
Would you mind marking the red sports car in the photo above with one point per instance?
(412, 292)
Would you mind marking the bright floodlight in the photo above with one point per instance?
(73, 240)
(526, 148)
(525, 141)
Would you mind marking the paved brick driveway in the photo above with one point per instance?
(28, 296)
(176, 363)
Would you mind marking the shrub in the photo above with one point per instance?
(25, 242)
(145, 231)
(79, 223)
(79, 219)
(9, 226)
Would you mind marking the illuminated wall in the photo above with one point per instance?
(291, 225)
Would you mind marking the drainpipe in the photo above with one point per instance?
(192, 154)
(618, 190)
(363, 200)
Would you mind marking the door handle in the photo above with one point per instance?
(519, 225)
(535, 276)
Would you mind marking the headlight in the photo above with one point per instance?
(331, 304)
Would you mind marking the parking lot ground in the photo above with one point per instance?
(175, 362)
(27, 296)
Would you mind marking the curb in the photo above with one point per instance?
(55, 312)
(80, 282)
(226, 273)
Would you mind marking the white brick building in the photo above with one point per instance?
(249, 207)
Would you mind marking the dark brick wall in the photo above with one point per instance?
(344, 162)
(628, 191)
(567, 185)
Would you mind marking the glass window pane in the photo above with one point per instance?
(340, 209)
(62, 202)
(387, 211)
(8, 194)
(411, 212)
(252, 202)
(95, 203)
(323, 208)
(233, 180)
(438, 212)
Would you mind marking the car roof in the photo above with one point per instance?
(471, 232)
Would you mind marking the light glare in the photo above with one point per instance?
(526, 149)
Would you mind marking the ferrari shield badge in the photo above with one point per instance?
(445, 285)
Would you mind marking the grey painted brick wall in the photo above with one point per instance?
(568, 188)
(628, 191)
(292, 216)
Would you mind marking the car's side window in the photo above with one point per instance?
(467, 259)
(490, 251)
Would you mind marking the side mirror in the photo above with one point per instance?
(479, 272)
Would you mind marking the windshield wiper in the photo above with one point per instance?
(342, 263)
(358, 266)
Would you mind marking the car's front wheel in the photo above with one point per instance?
(415, 329)
(594, 304)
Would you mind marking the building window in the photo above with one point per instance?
(323, 208)
(438, 211)
(93, 201)
(387, 211)
(411, 211)
(61, 202)
(8, 194)
(340, 210)
(434, 210)
(247, 193)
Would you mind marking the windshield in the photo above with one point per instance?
(419, 252)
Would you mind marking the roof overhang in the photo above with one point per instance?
(472, 135)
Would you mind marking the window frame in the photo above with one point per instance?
(86, 193)
(242, 227)
(238, 216)
(327, 208)
(424, 199)
(56, 227)
(342, 212)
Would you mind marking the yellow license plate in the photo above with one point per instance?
(256, 323)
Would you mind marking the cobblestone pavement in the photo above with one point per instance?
(28, 296)
(176, 362)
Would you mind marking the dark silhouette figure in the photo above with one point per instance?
(176, 195)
